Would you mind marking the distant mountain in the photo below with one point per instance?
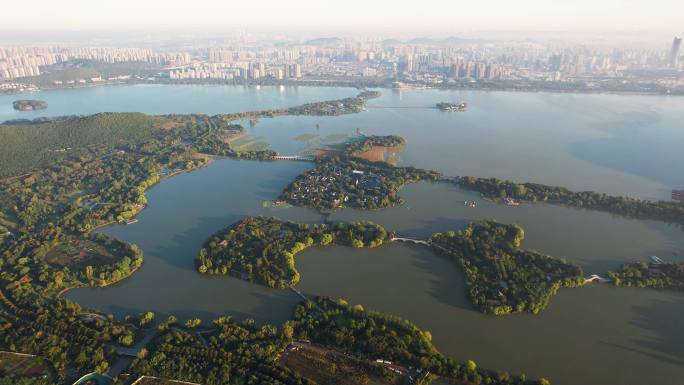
(390, 42)
(324, 41)
(451, 40)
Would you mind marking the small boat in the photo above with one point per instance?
(511, 202)
(131, 221)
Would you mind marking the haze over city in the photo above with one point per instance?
(351, 17)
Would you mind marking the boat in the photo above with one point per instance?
(511, 202)
(131, 221)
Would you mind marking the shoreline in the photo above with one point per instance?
(338, 84)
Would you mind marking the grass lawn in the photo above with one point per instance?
(21, 365)
(79, 253)
(330, 368)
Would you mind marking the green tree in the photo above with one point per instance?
(471, 366)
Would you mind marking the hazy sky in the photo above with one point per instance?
(365, 15)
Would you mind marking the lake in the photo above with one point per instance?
(591, 335)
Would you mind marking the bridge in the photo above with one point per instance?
(596, 278)
(403, 107)
(410, 240)
(295, 157)
(304, 297)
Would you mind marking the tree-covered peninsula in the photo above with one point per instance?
(344, 180)
(390, 340)
(493, 188)
(229, 352)
(32, 145)
(654, 274)
(263, 249)
(501, 277)
(325, 342)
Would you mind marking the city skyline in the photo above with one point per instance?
(354, 16)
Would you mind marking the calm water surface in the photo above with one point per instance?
(622, 145)
(165, 99)
(591, 335)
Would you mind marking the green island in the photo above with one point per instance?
(452, 107)
(655, 274)
(29, 105)
(262, 249)
(493, 188)
(502, 278)
(345, 180)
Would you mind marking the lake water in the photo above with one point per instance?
(591, 335)
(164, 99)
(621, 145)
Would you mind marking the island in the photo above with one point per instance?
(501, 277)
(452, 107)
(29, 105)
(262, 249)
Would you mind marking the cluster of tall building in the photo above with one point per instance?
(17, 62)
(455, 67)
(237, 70)
(418, 59)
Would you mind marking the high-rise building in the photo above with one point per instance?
(409, 63)
(674, 52)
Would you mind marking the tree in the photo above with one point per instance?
(146, 319)
(288, 330)
(89, 271)
(326, 239)
(471, 366)
(193, 323)
(126, 340)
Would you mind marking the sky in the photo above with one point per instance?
(390, 16)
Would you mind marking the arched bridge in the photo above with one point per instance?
(295, 157)
(410, 240)
(596, 278)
